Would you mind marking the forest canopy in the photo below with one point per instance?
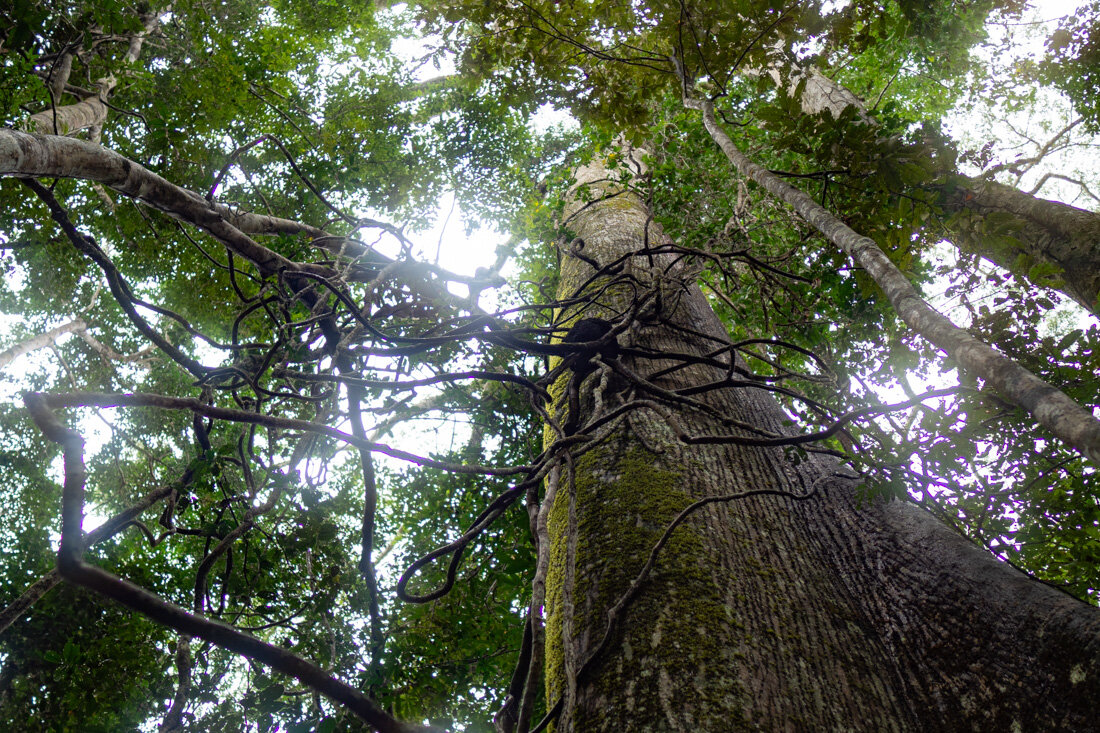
(501, 365)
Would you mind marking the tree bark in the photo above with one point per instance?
(26, 155)
(71, 118)
(91, 112)
(41, 341)
(771, 611)
(1064, 238)
(1054, 410)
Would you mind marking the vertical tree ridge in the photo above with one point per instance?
(855, 615)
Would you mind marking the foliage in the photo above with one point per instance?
(1073, 60)
(304, 110)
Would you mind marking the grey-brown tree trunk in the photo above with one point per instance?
(1058, 240)
(1018, 231)
(771, 612)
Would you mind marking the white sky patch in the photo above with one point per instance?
(448, 245)
(547, 117)
(1012, 50)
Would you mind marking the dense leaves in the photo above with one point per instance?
(305, 111)
(1074, 59)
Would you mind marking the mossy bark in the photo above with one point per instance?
(772, 613)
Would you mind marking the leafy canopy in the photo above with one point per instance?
(276, 103)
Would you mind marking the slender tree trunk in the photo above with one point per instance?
(41, 341)
(91, 112)
(1063, 240)
(1069, 421)
(769, 611)
(69, 119)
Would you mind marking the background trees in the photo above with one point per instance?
(264, 271)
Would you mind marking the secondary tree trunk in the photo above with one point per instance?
(90, 112)
(71, 118)
(771, 612)
(1062, 240)
(41, 341)
(1030, 231)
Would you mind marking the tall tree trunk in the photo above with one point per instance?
(771, 611)
(1063, 240)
